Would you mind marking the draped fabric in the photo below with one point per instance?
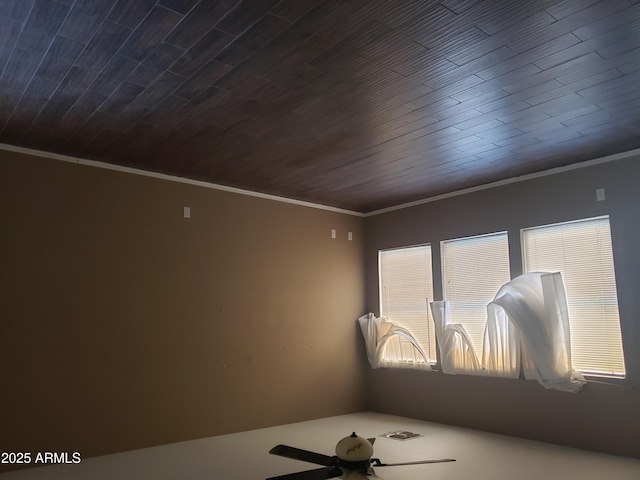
(457, 354)
(527, 328)
(385, 348)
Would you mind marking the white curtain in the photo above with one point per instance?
(384, 347)
(457, 354)
(526, 322)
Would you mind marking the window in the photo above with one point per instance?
(581, 251)
(406, 288)
(473, 270)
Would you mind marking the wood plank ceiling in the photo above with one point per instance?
(350, 103)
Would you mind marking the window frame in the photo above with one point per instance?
(505, 233)
(589, 374)
(433, 362)
(516, 259)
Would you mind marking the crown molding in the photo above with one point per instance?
(173, 178)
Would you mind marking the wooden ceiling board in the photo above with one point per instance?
(355, 104)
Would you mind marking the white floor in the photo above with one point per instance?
(244, 456)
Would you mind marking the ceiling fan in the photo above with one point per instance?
(351, 461)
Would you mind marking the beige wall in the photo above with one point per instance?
(124, 325)
(601, 417)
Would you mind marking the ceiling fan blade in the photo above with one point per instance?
(316, 474)
(377, 463)
(304, 455)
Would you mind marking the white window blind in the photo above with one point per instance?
(406, 287)
(581, 251)
(473, 270)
